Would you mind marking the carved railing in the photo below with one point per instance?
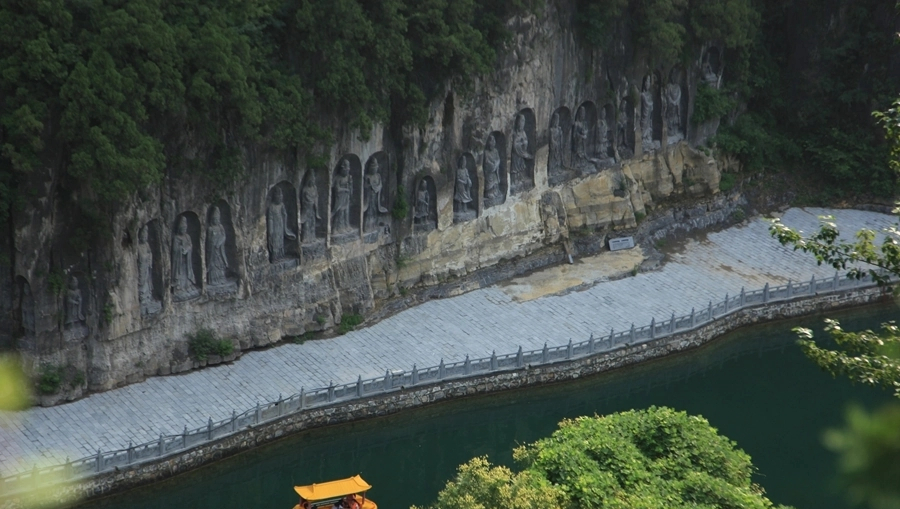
(394, 380)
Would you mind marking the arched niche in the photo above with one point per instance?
(76, 305)
(559, 158)
(281, 224)
(149, 264)
(625, 129)
(314, 206)
(583, 128)
(493, 164)
(521, 155)
(25, 307)
(378, 191)
(424, 200)
(676, 105)
(187, 265)
(711, 66)
(604, 146)
(221, 248)
(465, 189)
(346, 199)
(650, 116)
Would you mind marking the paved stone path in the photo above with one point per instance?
(474, 323)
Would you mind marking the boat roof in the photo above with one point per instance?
(333, 489)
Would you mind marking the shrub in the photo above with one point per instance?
(349, 322)
(401, 206)
(50, 379)
(726, 183)
(204, 343)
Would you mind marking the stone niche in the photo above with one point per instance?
(24, 308)
(221, 251)
(521, 155)
(379, 184)
(314, 213)
(424, 200)
(281, 226)
(493, 165)
(76, 306)
(151, 283)
(676, 106)
(187, 265)
(583, 160)
(624, 129)
(465, 189)
(604, 147)
(559, 160)
(346, 200)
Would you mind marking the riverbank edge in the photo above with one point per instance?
(118, 480)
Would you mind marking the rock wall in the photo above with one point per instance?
(558, 138)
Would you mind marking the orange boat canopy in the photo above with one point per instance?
(333, 489)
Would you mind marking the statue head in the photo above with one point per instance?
(345, 167)
(520, 123)
(311, 181)
(648, 80)
(216, 216)
(554, 120)
(579, 115)
(491, 142)
(373, 166)
(277, 196)
(423, 186)
(182, 225)
(143, 234)
(73, 283)
(461, 163)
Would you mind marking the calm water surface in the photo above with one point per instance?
(753, 385)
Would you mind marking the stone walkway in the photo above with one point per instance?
(474, 323)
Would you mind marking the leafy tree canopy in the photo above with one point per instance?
(653, 458)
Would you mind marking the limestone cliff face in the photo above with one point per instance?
(557, 138)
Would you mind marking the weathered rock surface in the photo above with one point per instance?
(294, 249)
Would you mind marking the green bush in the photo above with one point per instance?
(401, 206)
(349, 322)
(710, 104)
(727, 182)
(204, 343)
(50, 379)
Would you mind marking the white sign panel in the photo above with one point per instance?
(621, 243)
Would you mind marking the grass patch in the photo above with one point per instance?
(204, 343)
(349, 322)
(727, 182)
(50, 379)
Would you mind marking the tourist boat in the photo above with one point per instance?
(350, 493)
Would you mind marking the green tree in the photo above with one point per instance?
(653, 458)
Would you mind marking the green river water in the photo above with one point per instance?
(753, 385)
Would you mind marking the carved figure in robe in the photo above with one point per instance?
(74, 313)
(647, 113)
(373, 201)
(277, 226)
(216, 259)
(709, 75)
(423, 203)
(145, 271)
(580, 134)
(673, 111)
(622, 131)
(492, 172)
(182, 264)
(520, 155)
(26, 307)
(556, 145)
(343, 190)
(310, 205)
(463, 194)
(602, 136)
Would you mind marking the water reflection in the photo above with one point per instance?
(753, 385)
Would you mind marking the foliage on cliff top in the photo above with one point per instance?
(654, 458)
(118, 93)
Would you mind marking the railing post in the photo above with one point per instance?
(388, 380)
(632, 332)
(766, 294)
(359, 386)
(129, 454)
(302, 399)
(68, 468)
(280, 405)
(653, 328)
(790, 290)
(672, 324)
(233, 421)
(693, 318)
(161, 445)
(591, 344)
(467, 365)
(494, 360)
(837, 281)
(743, 297)
(330, 391)
(259, 412)
(520, 358)
(812, 285)
(441, 370)
(612, 333)
(209, 429)
(709, 313)
(184, 433)
(99, 459)
(545, 354)
(415, 375)
(726, 303)
(569, 349)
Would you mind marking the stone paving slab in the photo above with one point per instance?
(475, 323)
